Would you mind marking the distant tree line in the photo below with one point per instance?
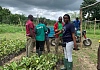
(7, 17)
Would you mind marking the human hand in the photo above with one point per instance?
(54, 34)
(75, 47)
(56, 31)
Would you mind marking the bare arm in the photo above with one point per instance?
(74, 39)
(60, 31)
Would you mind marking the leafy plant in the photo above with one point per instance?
(10, 46)
(44, 62)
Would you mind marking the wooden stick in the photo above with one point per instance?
(96, 20)
(90, 21)
(94, 26)
(98, 25)
(85, 25)
(37, 19)
(93, 21)
(21, 24)
(81, 26)
(90, 5)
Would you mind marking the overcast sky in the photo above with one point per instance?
(50, 9)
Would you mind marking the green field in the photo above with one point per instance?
(84, 59)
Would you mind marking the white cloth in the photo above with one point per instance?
(68, 51)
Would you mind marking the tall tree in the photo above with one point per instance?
(5, 15)
(0, 14)
(91, 12)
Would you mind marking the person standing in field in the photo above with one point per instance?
(47, 38)
(40, 37)
(30, 35)
(69, 41)
(58, 26)
(77, 23)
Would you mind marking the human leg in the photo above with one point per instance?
(28, 46)
(65, 60)
(37, 47)
(41, 47)
(69, 48)
(32, 45)
(47, 45)
(56, 45)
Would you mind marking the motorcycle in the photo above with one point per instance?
(86, 41)
(53, 42)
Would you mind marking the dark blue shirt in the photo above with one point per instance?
(46, 34)
(67, 33)
(77, 24)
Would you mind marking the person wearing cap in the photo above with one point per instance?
(30, 35)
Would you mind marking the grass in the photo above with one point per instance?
(76, 62)
(97, 31)
(92, 51)
(5, 28)
(12, 31)
(86, 53)
(95, 37)
(16, 35)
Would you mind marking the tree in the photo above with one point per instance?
(14, 18)
(7, 17)
(74, 15)
(91, 12)
(0, 14)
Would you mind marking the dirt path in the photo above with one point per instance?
(17, 58)
(85, 61)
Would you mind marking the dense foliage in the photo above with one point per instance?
(44, 62)
(10, 46)
(91, 12)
